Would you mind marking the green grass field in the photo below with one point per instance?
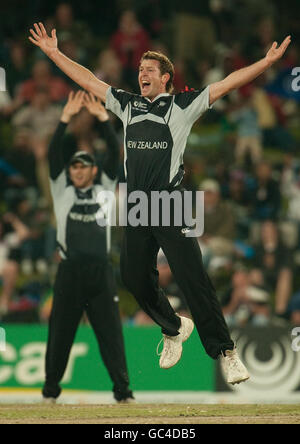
(150, 414)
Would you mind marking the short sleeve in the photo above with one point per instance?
(194, 103)
(117, 101)
(58, 185)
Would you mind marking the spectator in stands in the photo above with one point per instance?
(72, 50)
(3, 249)
(21, 157)
(248, 132)
(40, 116)
(6, 104)
(129, 42)
(42, 78)
(239, 196)
(269, 113)
(72, 30)
(154, 16)
(261, 40)
(246, 301)
(274, 263)
(109, 68)
(217, 242)
(193, 20)
(17, 68)
(13, 237)
(290, 187)
(265, 195)
(9, 177)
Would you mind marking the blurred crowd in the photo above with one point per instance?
(243, 153)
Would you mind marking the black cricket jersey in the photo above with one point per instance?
(79, 235)
(155, 135)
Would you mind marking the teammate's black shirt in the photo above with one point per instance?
(78, 234)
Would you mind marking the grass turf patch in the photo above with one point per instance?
(30, 413)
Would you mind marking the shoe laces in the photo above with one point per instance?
(166, 343)
(233, 361)
(158, 345)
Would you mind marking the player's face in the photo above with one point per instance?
(151, 81)
(82, 176)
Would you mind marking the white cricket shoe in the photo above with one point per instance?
(172, 350)
(233, 368)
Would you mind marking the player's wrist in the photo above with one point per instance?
(65, 118)
(53, 54)
(268, 63)
(103, 120)
(102, 117)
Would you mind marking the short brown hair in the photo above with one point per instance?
(165, 65)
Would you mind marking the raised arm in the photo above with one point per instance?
(111, 158)
(76, 72)
(57, 155)
(245, 75)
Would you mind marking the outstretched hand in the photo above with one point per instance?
(41, 39)
(95, 107)
(275, 53)
(73, 105)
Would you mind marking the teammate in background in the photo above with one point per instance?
(154, 117)
(84, 281)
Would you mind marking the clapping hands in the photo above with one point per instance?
(76, 101)
(95, 107)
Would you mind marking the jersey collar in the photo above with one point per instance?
(157, 97)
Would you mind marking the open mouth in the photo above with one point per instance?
(145, 85)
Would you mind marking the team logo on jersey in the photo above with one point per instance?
(140, 106)
(143, 145)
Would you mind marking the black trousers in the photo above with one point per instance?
(140, 275)
(89, 287)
